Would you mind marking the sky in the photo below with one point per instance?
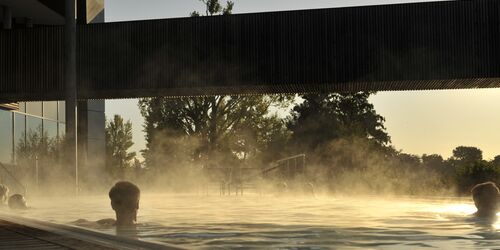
(419, 122)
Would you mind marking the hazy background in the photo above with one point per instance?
(418, 121)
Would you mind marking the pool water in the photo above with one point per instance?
(253, 221)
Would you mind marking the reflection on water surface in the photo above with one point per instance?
(271, 222)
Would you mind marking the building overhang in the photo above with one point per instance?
(433, 45)
(43, 12)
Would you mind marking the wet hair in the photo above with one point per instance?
(488, 189)
(17, 201)
(124, 193)
(486, 197)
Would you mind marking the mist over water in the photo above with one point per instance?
(290, 221)
(345, 191)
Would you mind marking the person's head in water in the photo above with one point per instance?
(4, 194)
(17, 201)
(486, 197)
(124, 197)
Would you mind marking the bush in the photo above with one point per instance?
(475, 173)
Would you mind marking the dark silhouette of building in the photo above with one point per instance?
(18, 118)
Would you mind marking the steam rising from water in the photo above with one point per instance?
(267, 221)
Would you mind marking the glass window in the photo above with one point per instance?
(62, 111)
(33, 125)
(19, 131)
(22, 107)
(33, 134)
(62, 130)
(34, 108)
(50, 127)
(50, 110)
(6, 145)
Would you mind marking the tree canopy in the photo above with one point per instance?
(223, 127)
(118, 143)
(322, 118)
(467, 155)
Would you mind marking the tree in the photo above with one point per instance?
(467, 155)
(475, 173)
(118, 142)
(496, 161)
(213, 7)
(433, 161)
(211, 129)
(409, 160)
(322, 118)
(36, 148)
(342, 136)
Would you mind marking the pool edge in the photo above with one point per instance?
(106, 241)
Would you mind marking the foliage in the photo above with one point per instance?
(467, 155)
(323, 122)
(476, 172)
(496, 161)
(37, 149)
(322, 118)
(118, 142)
(213, 7)
(210, 129)
(35, 144)
(433, 161)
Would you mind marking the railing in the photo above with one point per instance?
(292, 164)
(234, 179)
(23, 187)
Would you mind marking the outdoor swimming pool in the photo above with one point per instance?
(195, 221)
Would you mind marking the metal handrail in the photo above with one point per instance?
(277, 164)
(14, 178)
(291, 157)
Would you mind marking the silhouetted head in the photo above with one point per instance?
(4, 193)
(486, 198)
(17, 201)
(124, 197)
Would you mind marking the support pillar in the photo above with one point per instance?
(70, 88)
(7, 17)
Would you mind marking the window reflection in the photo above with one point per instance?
(33, 125)
(22, 107)
(62, 111)
(6, 149)
(19, 131)
(34, 108)
(50, 110)
(50, 127)
(62, 130)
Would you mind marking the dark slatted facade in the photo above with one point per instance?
(439, 45)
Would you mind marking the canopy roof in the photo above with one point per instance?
(419, 46)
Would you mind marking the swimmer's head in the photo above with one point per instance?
(17, 201)
(486, 197)
(4, 193)
(124, 197)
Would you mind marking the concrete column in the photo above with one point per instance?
(70, 85)
(7, 17)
